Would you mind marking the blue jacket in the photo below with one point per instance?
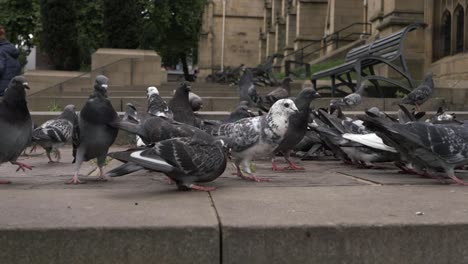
(9, 64)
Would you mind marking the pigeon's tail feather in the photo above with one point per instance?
(331, 121)
(378, 124)
(129, 127)
(124, 169)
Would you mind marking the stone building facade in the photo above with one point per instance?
(257, 29)
(243, 21)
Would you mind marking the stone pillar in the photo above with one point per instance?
(280, 40)
(269, 29)
(205, 46)
(290, 30)
(310, 25)
(262, 47)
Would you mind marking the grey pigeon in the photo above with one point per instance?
(15, 123)
(155, 129)
(186, 161)
(352, 99)
(257, 136)
(181, 107)
(420, 94)
(281, 92)
(297, 127)
(156, 104)
(55, 133)
(265, 102)
(245, 82)
(97, 128)
(196, 102)
(242, 111)
(131, 114)
(429, 148)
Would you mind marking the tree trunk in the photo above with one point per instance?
(183, 59)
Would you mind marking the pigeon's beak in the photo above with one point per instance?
(104, 86)
(294, 108)
(317, 95)
(26, 85)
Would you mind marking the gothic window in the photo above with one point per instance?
(459, 15)
(446, 33)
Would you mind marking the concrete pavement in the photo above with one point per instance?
(331, 213)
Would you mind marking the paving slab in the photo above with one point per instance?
(344, 224)
(44, 220)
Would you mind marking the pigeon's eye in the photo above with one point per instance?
(286, 105)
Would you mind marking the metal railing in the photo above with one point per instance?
(335, 38)
(59, 87)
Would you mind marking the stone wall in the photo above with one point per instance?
(123, 67)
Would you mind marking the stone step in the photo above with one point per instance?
(223, 103)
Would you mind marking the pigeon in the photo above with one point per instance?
(442, 117)
(181, 107)
(428, 148)
(245, 82)
(257, 136)
(131, 114)
(15, 123)
(156, 104)
(196, 102)
(97, 128)
(242, 111)
(297, 127)
(186, 161)
(155, 129)
(420, 94)
(352, 99)
(265, 102)
(404, 115)
(55, 133)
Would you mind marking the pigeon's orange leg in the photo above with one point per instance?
(21, 166)
(452, 176)
(274, 167)
(292, 165)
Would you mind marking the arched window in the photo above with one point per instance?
(446, 35)
(459, 16)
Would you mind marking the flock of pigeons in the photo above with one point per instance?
(173, 139)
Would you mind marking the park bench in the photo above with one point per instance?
(387, 50)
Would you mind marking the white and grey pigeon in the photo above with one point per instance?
(186, 161)
(297, 127)
(55, 133)
(180, 105)
(157, 106)
(420, 94)
(15, 123)
(97, 128)
(257, 136)
(429, 148)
